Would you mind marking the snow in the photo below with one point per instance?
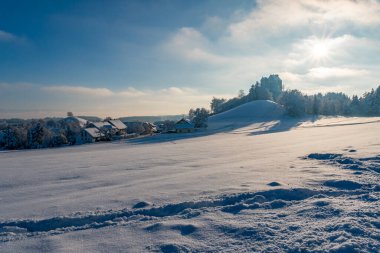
(101, 125)
(118, 124)
(270, 184)
(80, 121)
(255, 111)
(93, 132)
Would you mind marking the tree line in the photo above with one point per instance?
(297, 104)
(30, 134)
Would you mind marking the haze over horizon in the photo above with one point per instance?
(128, 58)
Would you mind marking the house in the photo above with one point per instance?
(150, 128)
(184, 126)
(120, 126)
(107, 130)
(91, 134)
(141, 128)
(135, 127)
(76, 120)
(103, 126)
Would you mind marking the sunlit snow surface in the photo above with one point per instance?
(278, 185)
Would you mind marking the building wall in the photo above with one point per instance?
(185, 130)
(86, 138)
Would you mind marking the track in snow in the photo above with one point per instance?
(314, 203)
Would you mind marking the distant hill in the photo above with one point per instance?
(151, 119)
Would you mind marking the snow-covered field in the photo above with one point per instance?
(267, 184)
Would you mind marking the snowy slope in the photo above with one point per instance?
(246, 114)
(313, 186)
(259, 109)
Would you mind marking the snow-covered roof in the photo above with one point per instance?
(102, 124)
(184, 124)
(93, 132)
(80, 121)
(118, 124)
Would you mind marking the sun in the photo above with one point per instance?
(320, 50)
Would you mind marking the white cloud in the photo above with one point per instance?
(53, 100)
(336, 73)
(176, 91)
(214, 26)
(279, 17)
(131, 92)
(106, 102)
(309, 41)
(80, 90)
(190, 44)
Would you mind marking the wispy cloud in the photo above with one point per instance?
(131, 92)
(79, 90)
(178, 91)
(190, 44)
(100, 101)
(9, 37)
(336, 73)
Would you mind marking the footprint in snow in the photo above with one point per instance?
(273, 184)
(141, 204)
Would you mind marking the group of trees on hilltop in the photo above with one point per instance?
(269, 88)
(297, 103)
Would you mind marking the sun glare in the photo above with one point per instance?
(320, 50)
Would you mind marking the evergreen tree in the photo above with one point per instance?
(294, 102)
(252, 95)
(15, 138)
(36, 135)
(355, 105)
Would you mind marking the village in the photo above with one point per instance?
(76, 130)
(115, 129)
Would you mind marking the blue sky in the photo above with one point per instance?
(120, 58)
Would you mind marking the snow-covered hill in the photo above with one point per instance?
(311, 187)
(246, 114)
(251, 111)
